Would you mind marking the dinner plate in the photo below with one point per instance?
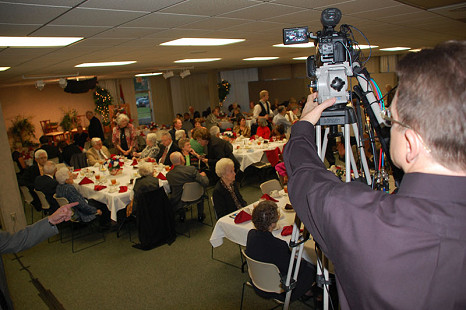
(278, 227)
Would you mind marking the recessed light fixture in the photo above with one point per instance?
(201, 42)
(4, 68)
(415, 50)
(149, 74)
(197, 60)
(105, 64)
(260, 58)
(394, 49)
(300, 58)
(37, 41)
(303, 45)
(366, 47)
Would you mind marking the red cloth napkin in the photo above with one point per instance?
(150, 160)
(288, 230)
(161, 176)
(242, 217)
(252, 138)
(86, 180)
(267, 197)
(123, 189)
(135, 162)
(76, 170)
(99, 187)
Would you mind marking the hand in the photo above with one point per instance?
(63, 213)
(312, 111)
(99, 212)
(203, 174)
(135, 154)
(205, 160)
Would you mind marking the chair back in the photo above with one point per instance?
(26, 194)
(79, 160)
(43, 200)
(192, 191)
(271, 185)
(265, 276)
(273, 156)
(61, 200)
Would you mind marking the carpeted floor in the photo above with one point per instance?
(114, 275)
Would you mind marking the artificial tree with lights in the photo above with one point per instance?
(103, 99)
(223, 91)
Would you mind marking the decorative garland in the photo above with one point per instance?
(223, 90)
(103, 99)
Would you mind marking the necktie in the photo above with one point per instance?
(102, 155)
(162, 159)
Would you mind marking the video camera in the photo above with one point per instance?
(335, 55)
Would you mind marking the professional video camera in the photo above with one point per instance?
(335, 55)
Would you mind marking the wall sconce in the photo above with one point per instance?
(185, 73)
(40, 85)
(168, 74)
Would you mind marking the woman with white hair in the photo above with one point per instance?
(124, 135)
(85, 211)
(146, 183)
(151, 150)
(226, 195)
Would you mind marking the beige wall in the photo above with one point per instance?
(47, 104)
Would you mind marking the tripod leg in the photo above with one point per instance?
(324, 144)
(319, 140)
(347, 151)
(365, 166)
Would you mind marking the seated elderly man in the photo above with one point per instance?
(166, 149)
(180, 175)
(85, 211)
(98, 152)
(30, 174)
(47, 184)
(151, 150)
(280, 118)
(146, 183)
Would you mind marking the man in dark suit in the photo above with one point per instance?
(30, 174)
(95, 127)
(180, 175)
(177, 125)
(47, 184)
(167, 148)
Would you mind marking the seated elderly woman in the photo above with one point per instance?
(85, 211)
(263, 130)
(191, 158)
(226, 195)
(264, 247)
(242, 129)
(151, 150)
(146, 183)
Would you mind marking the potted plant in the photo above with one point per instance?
(70, 119)
(22, 130)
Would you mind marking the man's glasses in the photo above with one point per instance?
(387, 116)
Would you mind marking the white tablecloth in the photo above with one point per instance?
(115, 201)
(238, 233)
(252, 153)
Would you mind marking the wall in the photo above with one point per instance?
(47, 104)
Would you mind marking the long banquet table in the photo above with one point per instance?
(238, 233)
(248, 152)
(114, 200)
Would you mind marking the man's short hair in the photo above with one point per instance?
(222, 166)
(49, 167)
(175, 158)
(431, 98)
(263, 93)
(62, 175)
(281, 108)
(95, 140)
(44, 139)
(166, 134)
(146, 169)
(40, 152)
(214, 130)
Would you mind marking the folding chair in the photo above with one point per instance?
(193, 193)
(43, 201)
(27, 199)
(265, 277)
(271, 185)
(63, 201)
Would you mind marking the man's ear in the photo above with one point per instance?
(413, 145)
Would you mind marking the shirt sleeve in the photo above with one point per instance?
(256, 111)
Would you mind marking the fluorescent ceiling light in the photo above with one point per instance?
(197, 60)
(149, 74)
(303, 45)
(300, 58)
(260, 58)
(394, 49)
(416, 50)
(37, 41)
(4, 68)
(366, 47)
(105, 64)
(201, 42)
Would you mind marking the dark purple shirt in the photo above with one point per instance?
(404, 251)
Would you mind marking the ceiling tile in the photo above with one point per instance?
(214, 23)
(90, 17)
(208, 7)
(260, 11)
(16, 30)
(13, 13)
(140, 5)
(69, 31)
(128, 32)
(163, 20)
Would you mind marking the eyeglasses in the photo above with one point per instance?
(387, 116)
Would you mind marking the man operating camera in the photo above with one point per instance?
(403, 251)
